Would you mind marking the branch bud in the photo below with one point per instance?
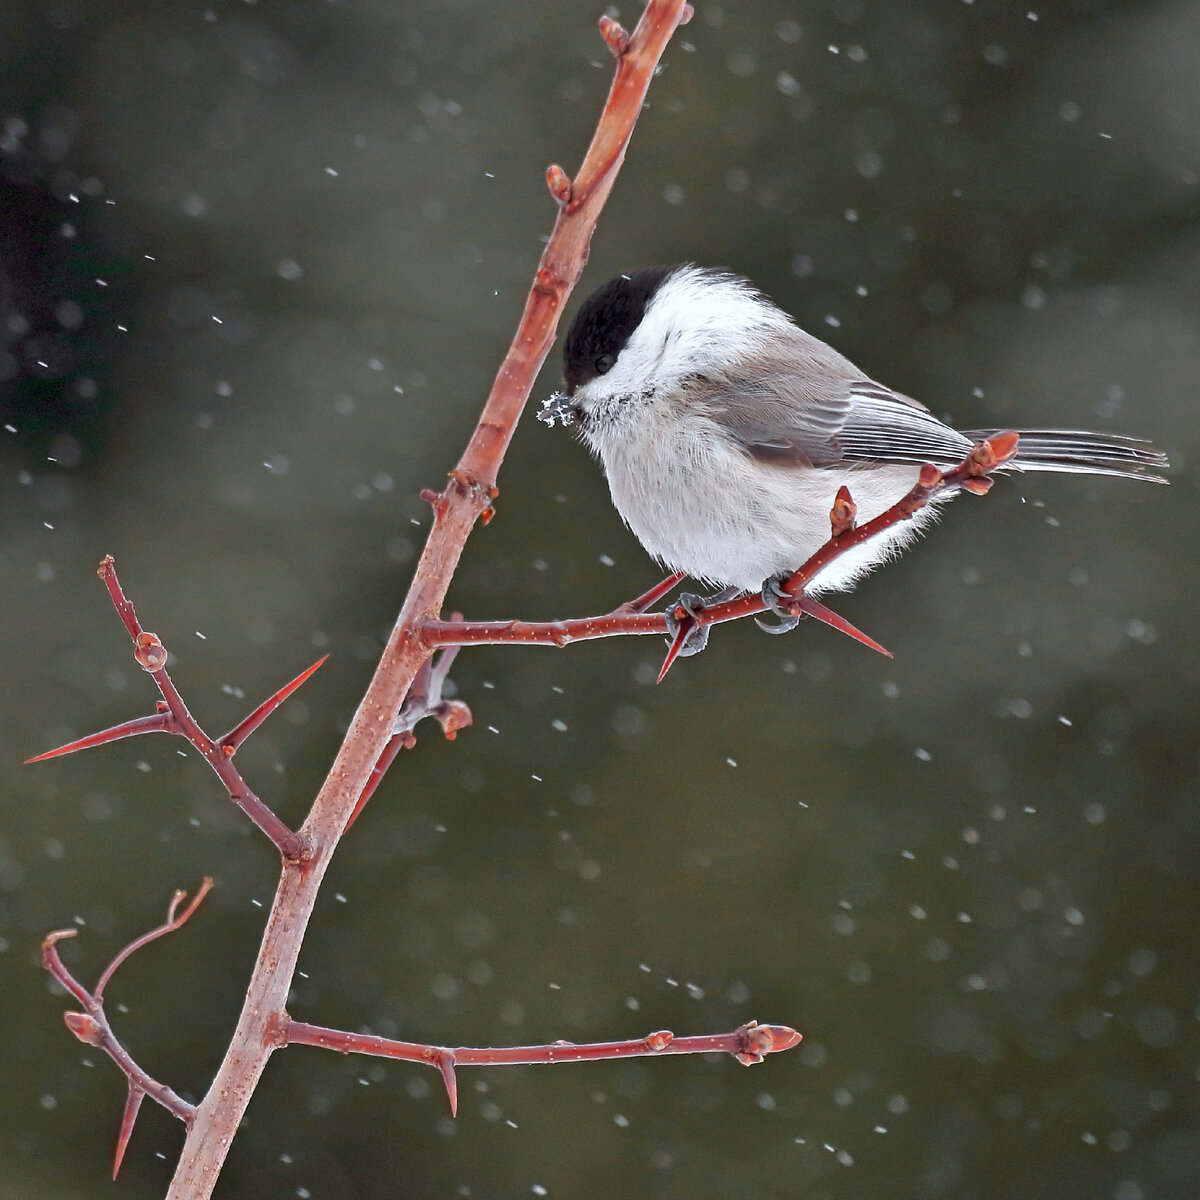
(843, 512)
(559, 184)
(930, 476)
(150, 653)
(86, 1028)
(614, 35)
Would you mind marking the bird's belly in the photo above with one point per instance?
(722, 517)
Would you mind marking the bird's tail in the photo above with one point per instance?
(1083, 453)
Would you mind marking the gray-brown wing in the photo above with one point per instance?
(821, 411)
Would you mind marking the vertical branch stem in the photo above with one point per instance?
(260, 1027)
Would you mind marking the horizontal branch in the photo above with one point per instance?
(543, 633)
(749, 1044)
(630, 619)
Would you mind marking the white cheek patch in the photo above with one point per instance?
(693, 324)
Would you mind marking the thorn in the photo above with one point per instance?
(654, 595)
(150, 653)
(158, 723)
(614, 35)
(559, 184)
(445, 1064)
(686, 624)
(843, 512)
(397, 742)
(240, 732)
(814, 608)
(133, 1102)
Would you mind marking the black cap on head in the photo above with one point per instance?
(603, 325)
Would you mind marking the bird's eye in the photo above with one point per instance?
(604, 364)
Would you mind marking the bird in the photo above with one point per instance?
(725, 432)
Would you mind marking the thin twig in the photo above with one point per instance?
(749, 1044)
(92, 1026)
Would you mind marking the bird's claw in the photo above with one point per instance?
(697, 638)
(779, 602)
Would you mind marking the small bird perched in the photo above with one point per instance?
(725, 431)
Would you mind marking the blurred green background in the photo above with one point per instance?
(258, 264)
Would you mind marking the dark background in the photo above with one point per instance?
(258, 264)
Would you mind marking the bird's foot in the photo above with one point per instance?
(685, 612)
(781, 603)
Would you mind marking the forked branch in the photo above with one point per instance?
(91, 1026)
(172, 716)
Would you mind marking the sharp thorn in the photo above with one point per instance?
(395, 744)
(158, 723)
(445, 1064)
(133, 1102)
(814, 608)
(681, 636)
(240, 732)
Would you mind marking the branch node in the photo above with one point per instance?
(469, 486)
(614, 36)
(660, 1039)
